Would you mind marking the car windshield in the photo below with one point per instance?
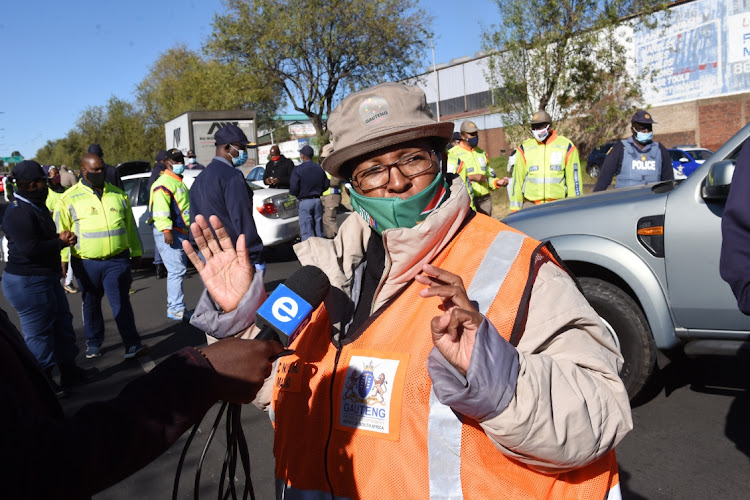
(701, 154)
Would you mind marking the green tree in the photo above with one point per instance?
(182, 80)
(118, 127)
(569, 58)
(315, 50)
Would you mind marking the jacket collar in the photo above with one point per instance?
(406, 249)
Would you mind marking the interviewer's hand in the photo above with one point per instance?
(454, 331)
(227, 272)
(243, 365)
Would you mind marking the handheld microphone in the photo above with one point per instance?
(288, 309)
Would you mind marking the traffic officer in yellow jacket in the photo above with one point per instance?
(547, 167)
(100, 216)
(452, 358)
(169, 205)
(472, 164)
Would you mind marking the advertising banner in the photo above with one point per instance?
(700, 50)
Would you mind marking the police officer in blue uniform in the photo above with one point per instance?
(31, 281)
(638, 159)
(221, 190)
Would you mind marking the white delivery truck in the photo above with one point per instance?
(195, 130)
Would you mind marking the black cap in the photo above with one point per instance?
(161, 155)
(456, 136)
(175, 154)
(96, 150)
(641, 116)
(191, 153)
(230, 134)
(28, 170)
(307, 151)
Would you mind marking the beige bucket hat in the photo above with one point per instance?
(381, 116)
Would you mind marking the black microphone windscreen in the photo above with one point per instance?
(310, 283)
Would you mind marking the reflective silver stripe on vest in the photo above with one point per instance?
(77, 229)
(161, 214)
(105, 234)
(444, 427)
(285, 492)
(545, 180)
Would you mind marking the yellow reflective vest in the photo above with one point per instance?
(466, 162)
(105, 226)
(169, 203)
(52, 198)
(334, 189)
(545, 171)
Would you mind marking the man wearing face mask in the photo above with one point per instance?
(472, 164)
(100, 215)
(31, 281)
(547, 167)
(221, 190)
(192, 163)
(278, 170)
(451, 353)
(169, 205)
(637, 160)
(111, 174)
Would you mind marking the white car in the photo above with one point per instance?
(275, 215)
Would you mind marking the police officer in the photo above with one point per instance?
(472, 164)
(638, 159)
(331, 198)
(221, 190)
(169, 205)
(308, 183)
(192, 163)
(547, 167)
(31, 281)
(100, 215)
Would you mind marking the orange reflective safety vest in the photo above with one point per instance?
(361, 420)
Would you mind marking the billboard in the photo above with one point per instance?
(701, 50)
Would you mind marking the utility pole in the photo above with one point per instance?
(437, 80)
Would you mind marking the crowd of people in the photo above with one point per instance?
(456, 350)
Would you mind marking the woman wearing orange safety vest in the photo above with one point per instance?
(453, 357)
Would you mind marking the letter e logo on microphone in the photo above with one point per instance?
(284, 309)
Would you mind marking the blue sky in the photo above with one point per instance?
(61, 57)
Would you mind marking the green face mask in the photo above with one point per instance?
(388, 213)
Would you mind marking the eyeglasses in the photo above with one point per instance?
(410, 166)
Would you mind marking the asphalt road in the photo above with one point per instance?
(691, 437)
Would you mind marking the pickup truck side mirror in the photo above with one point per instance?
(719, 180)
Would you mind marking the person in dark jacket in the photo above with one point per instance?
(221, 190)
(308, 182)
(278, 170)
(638, 159)
(48, 455)
(111, 174)
(31, 281)
(734, 264)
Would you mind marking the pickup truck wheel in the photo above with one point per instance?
(625, 321)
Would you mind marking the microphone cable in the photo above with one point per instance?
(236, 444)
